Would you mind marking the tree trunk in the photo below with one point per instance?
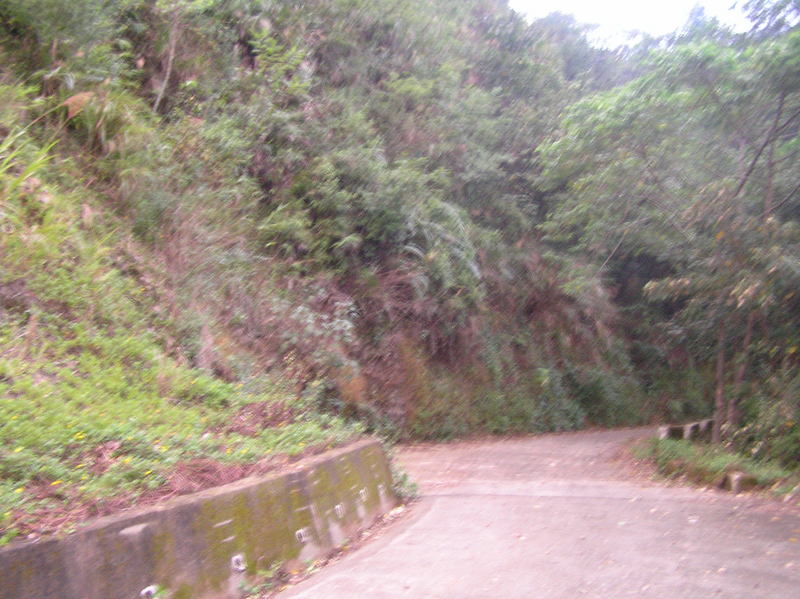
(173, 42)
(719, 394)
(732, 417)
(770, 190)
(768, 142)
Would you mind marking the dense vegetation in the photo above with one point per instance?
(234, 227)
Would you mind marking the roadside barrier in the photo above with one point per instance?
(206, 545)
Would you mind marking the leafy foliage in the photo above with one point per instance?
(723, 244)
(92, 405)
(433, 217)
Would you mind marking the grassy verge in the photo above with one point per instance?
(708, 465)
(68, 454)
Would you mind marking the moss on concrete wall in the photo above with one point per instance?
(189, 546)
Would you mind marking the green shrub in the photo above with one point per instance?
(606, 397)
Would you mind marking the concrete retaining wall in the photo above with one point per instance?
(693, 431)
(203, 546)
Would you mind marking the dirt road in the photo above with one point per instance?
(563, 516)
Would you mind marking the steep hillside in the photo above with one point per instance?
(236, 229)
(101, 406)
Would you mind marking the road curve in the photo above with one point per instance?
(562, 516)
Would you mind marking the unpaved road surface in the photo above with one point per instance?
(565, 516)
